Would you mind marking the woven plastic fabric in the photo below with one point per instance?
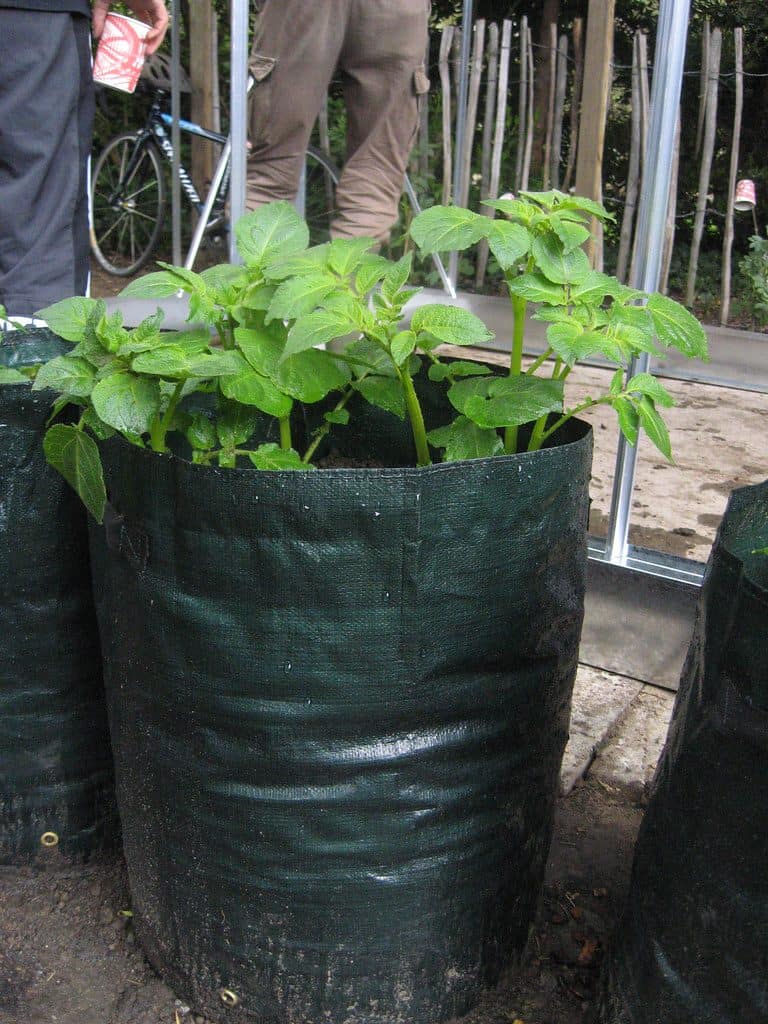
(693, 944)
(55, 759)
(338, 703)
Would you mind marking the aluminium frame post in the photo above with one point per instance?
(668, 63)
(461, 121)
(175, 131)
(238, 131)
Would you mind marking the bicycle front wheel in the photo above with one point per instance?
(127, 205)
(319, 180)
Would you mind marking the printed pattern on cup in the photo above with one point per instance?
(120, 54)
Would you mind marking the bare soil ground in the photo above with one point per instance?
(68, 955)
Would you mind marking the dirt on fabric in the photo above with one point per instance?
(68, 953)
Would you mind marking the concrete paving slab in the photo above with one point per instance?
(601, 700)
(628, 760)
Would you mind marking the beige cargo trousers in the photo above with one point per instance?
(378, 46)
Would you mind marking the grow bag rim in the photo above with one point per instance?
(580, 428)
(731, 561)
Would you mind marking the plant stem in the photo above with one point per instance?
(537, 434)
(416, 418)
(285, 432)
(538, 362)
(160, 427)
(321, 433)
(515, 362)
(590, 402)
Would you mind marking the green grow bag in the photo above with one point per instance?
(55, 762)
(338, 703)
(693, 943)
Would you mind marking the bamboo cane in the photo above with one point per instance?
(707, 147)
(478, 49)
(725, 299)
(578, 74)
(446, 41)
(550, 105)
(633, 171)
(522, 100)
(557, 136)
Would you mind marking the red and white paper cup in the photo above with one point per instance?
(121, 51)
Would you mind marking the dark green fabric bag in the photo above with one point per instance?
(693, 943)
(55, 759)
(338, 703)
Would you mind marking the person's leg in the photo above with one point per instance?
(46, 115)
(293, 58)
(384, 76)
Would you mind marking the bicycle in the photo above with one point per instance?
(128, 191)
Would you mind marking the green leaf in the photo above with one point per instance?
(158, 285)
(339, 416)
(76, 456)
(9, 376)
(508, 242)
(549, 200)
(70, 317)
(166, 361)
(310, 376)
(346, 254)
(396, 278)
(555, 263)
(127, 403)
(677, 328)
(306, 262)
(111, 333)
(257, 297)
(251, 388)
(402, 345)
(462, 368)
(534, 287)
(274, 231)
(316, 328)
(583, 205)
(100, 430)
(187, 280)
(571, 342)
(648, 385)
(384, 392)
(571, 235)
(373, 268)
(595, 287)
(298, 296)
(367, 356)
(515, 209)
(632, 327)
(236, 424)
(67, 375)
(654, 426)
(450, 325)
(448, 229)
(617, 383)
(629, 420)
(463, 439)
(272, 456)
(506, 401)
(224, 276)
(201, 433)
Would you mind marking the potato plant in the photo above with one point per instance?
(258, 346)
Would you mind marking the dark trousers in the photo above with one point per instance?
(46, 118)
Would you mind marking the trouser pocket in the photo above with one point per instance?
(261, 67)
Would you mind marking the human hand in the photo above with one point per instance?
(152, 12)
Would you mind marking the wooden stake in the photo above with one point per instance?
(501, 108)
(557, 135)
(529, 117)
(578, 75)
(491, 85)
(522, 100)
(725, 299)
(201, 15)
(476, 71)
(707, 149)
(598, 63)
(550, 105)
(633, 171)
(445, 83)
(669, 227)
(706, 35)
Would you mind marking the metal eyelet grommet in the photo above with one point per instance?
(49, 839)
